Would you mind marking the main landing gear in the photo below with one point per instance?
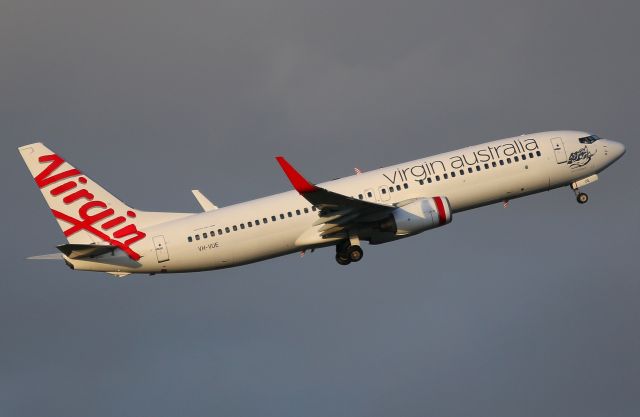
(580, 196)
(348, 251)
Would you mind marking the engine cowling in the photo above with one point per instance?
(417, 216)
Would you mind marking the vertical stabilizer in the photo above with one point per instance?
(86, 212)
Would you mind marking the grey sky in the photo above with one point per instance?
(527, 311)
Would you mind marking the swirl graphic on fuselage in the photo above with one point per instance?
(580, 158)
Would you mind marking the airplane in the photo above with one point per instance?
(379, 206)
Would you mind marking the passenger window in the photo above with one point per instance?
(226, 229)
(212, 233)
(470, 170)
(369, 194)
(219, 232)
(360, 196)
(405, 185)
(306, 210)
(289, 214)
(493, 164)
(538, 153)
(501, 162)
(462, 172)
(516, 159)
(313, 208)
(508, 160)
(383, 190)
(197, 237)
(257, 222)
(298, 212)
(429, 180)
(242, 226)
(421, 182)
(249, 224)
(390, 189)
(478, 168)
(437, 177)
(446, 176)
(524, 157)
(453, 174)
(190, 239)
(282, 216)
(398, 187)
(204, 235)
(264, 220)
(486, 166)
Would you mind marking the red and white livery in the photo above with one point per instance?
(379, 206)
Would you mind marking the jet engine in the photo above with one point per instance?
(413, 218)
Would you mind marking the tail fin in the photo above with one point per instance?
(86, 212)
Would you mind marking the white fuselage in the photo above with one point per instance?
(468, 178)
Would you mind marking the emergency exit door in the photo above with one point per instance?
(162, 253)
(558, 150)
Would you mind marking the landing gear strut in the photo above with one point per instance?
(580, 196)
(349, 251)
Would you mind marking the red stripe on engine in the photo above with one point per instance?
(442, 214)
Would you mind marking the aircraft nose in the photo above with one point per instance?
(617, 149)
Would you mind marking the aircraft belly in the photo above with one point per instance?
(265, 246)
(483, 191)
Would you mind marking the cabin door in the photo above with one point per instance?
(558, 150)
(162, 253)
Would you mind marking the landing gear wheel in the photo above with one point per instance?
(582, 198)
(342, 260)
(355, 253)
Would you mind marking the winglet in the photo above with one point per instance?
(206, 204)
(298, 181)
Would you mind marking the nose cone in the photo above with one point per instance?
(616, 149)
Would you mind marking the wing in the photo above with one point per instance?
(338, 212)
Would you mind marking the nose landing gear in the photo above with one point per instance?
(575, 186)
(581, 197)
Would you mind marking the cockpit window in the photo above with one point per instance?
(589, 139)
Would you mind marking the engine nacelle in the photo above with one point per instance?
(417, 216)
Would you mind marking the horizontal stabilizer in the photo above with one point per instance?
(47, 257)
(76, 250)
